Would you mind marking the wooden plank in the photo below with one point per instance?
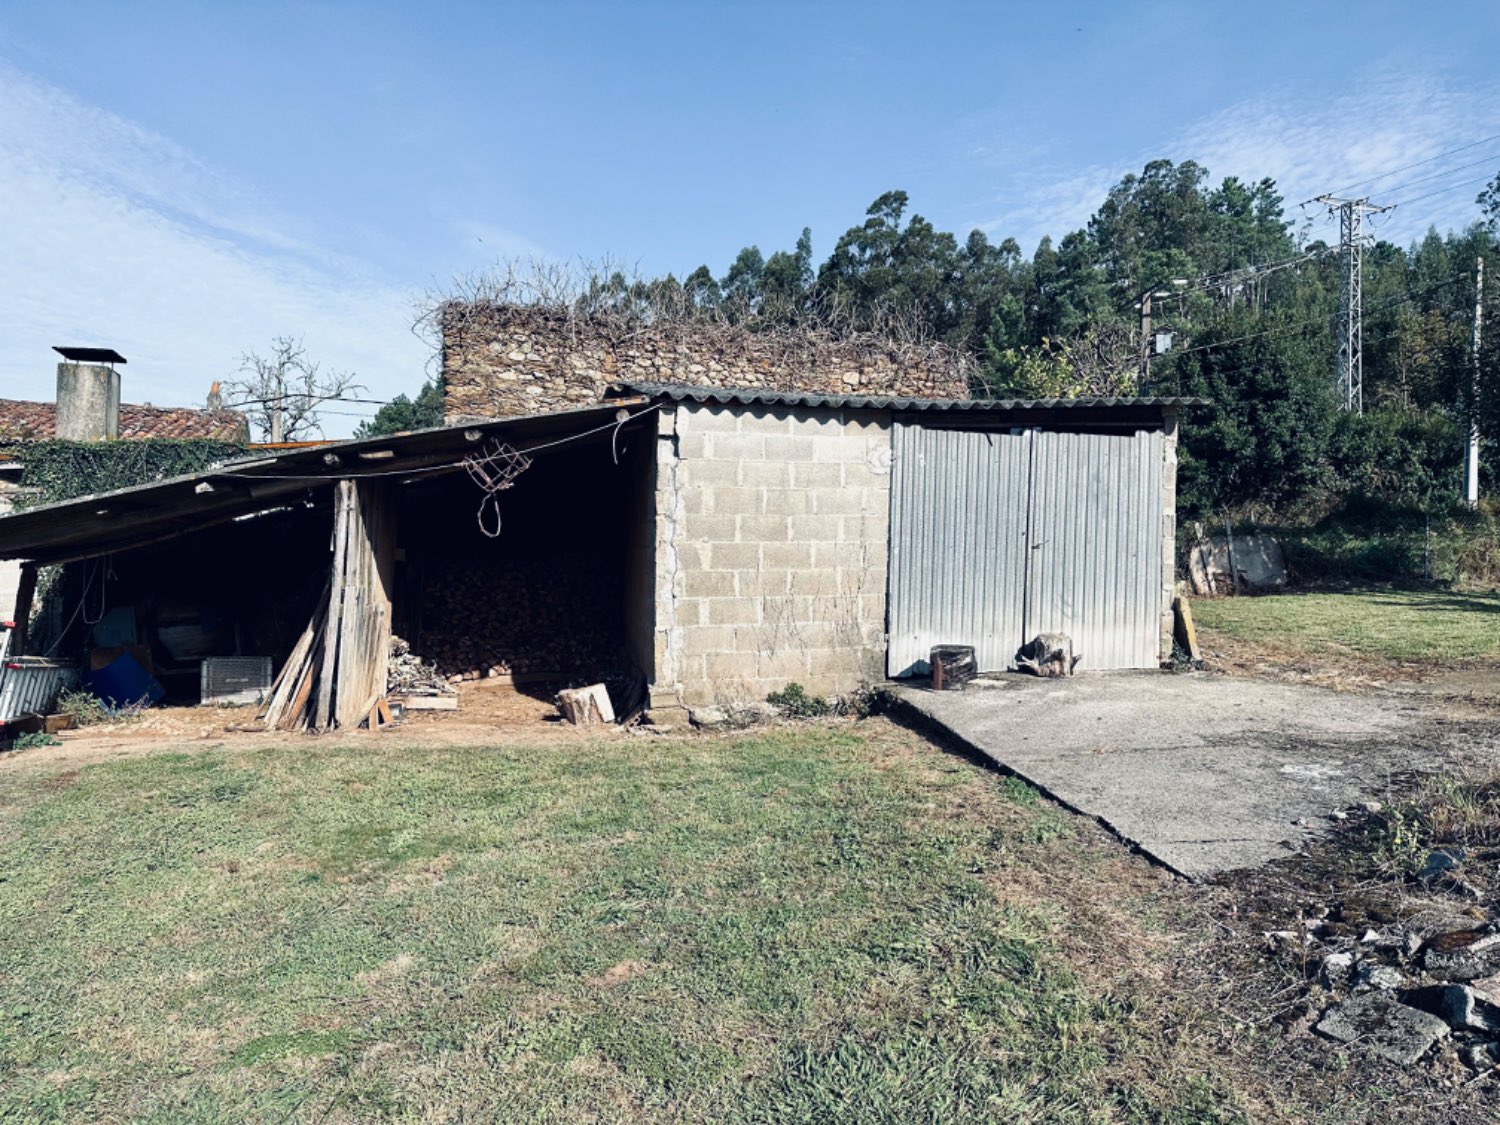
(429, 702)
(343, 502)
(365, 630)
(291, 671)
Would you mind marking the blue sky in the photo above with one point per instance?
(185, 182)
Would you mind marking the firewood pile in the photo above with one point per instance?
(513, 616)
(408, 674)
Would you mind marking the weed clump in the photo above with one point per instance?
(794, 702)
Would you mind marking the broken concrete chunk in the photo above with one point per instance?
(1385, 1025)
(1336, 970)
(1382, 977)
(1462, 1008)
(708, 717)
(1463, 955)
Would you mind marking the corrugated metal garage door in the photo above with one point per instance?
(958, 544)
(968, 507)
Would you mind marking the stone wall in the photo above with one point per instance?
(500, 361)
(772, 530)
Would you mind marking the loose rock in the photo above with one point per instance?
(1382, 977)
(1336, 970)
(1388, 1027)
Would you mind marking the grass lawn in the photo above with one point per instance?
(810, 924)
(1439, 626)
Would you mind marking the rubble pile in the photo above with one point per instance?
(1410, 981)
(495, 617)
(407, 673)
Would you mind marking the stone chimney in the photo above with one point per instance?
(88, 394)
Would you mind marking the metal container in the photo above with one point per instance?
(234, 679)
(952, 666)
(30, 685)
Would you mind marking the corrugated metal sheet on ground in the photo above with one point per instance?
(997, 537)
(30, 686)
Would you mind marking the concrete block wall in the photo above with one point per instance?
(772, 537)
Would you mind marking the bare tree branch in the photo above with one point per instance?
(281, 393)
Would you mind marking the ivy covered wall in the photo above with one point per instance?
(60, 470)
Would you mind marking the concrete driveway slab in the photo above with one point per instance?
(1204, 773)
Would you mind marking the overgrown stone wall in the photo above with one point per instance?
(501, 361)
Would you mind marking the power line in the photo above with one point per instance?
(1282, 329)
(1493, 160)
(1417, 164)
(1440, 191)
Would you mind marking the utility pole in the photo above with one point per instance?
(1145, 382)
(1146, 340)
(1351, 365)
(1471, 492)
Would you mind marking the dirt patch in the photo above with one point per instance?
(486, 709)
(616, 975)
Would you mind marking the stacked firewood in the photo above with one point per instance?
(505, 616)
(409, 674)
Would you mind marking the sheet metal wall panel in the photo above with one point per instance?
(958, 523)
(1096, 531)
(29, 687)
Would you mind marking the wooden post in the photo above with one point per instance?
(25, 595)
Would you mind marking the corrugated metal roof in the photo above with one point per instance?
(129, 517)
(678, 392)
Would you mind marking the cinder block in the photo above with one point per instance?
(788, 556)
(710, 528)
(711, 420)
(733, 500)
(733, 611)
(839, 501)
(838, 448)
(790, 665)
(765, 474)
(763, 529)
(817, 474)
(713, 638)
(735, 556)
(692, 447)
(813, 582)
(812, 529)
(764, 582)
(710, 584)
(787, 502)
(739, 447)
(697, 501)
(791, 448)
(700, 473)
(723, 666)
(763, 420)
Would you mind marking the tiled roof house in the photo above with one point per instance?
(37, 421)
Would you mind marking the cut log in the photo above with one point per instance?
(584, 707)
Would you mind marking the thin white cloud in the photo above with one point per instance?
(113, 235)
(1306, 145)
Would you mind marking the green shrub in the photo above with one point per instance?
(36, 738)
(84, 707)
(794, 702)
